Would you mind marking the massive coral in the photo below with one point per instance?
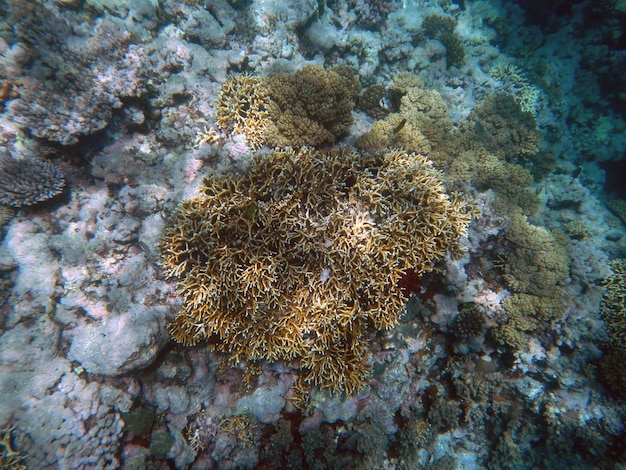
(302, 256)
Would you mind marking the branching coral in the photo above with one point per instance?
(242, 108)
(442, 28)
(298, 259)
(421, 123)
(535, 269)
(372, 13)
(312, 106)
(525, 94)
(498, 125)
(10, 458)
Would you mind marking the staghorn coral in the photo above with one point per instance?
(312, 106)
(28, 181)
(242, 108)
(301, 257)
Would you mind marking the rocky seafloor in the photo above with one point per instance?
(114, 95)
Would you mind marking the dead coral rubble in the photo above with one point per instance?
(299, 258)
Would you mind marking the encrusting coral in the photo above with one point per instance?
(299, 258)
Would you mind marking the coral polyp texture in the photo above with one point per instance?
(302, 256)
(28, 181)
(312, 106)
(613, 307)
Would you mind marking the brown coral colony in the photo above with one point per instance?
(304, 254)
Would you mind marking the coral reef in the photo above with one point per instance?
(300, 257)
(89, 375)
(372, 13)
(311, 107)
(28, 181)
(70, 79)
(442, 28)
(242, 108)
(613, 306)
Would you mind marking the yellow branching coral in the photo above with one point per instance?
(525, 94)
(299, 258)
(242, 109)
(311, 107)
